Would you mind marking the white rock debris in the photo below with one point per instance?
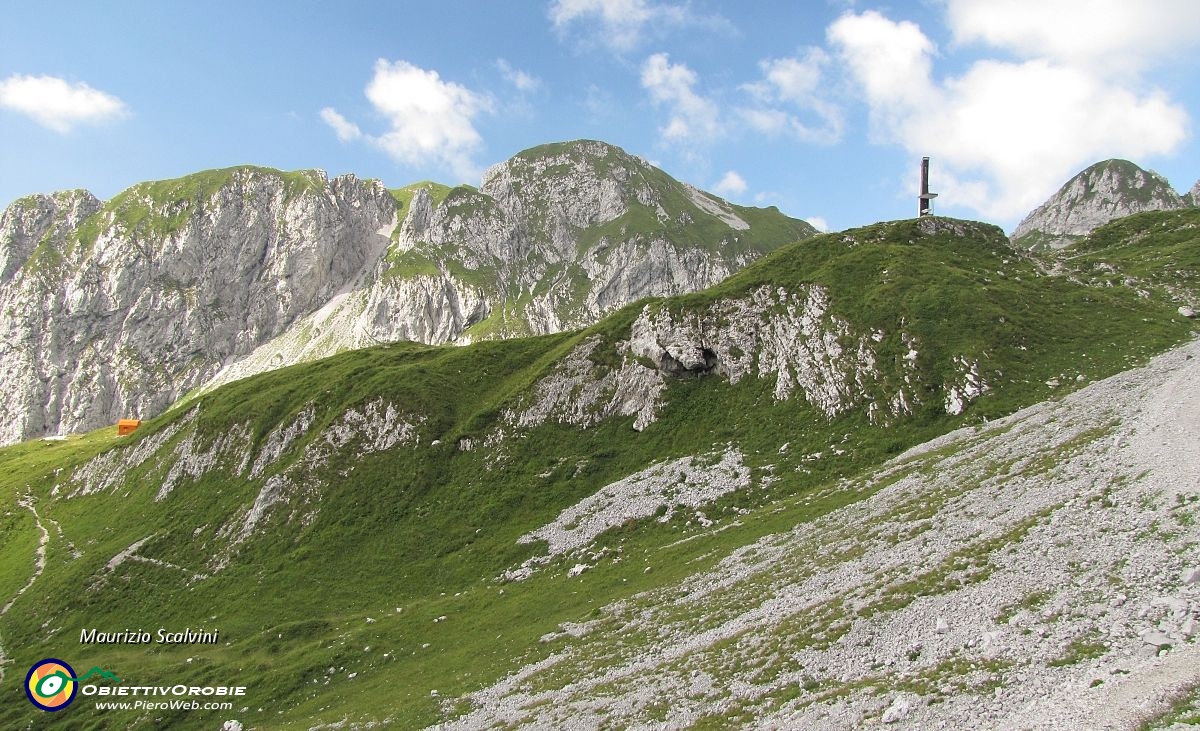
(716, 207)
(690, 482)
(1032, 573)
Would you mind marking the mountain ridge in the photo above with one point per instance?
(198, 280)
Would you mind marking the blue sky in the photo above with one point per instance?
(821, 108)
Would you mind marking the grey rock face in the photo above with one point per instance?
(1103, 192)
(30, 220)
(120, 308)
(565, 233)
(553, 239)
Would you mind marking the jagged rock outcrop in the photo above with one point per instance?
(120, 308)
(1105, 191)
(790, 338)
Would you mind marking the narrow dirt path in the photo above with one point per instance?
(39, 567)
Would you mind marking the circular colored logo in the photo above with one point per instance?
(51, 685)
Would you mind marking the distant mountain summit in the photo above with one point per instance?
(1105, 191)
(119, 308)
(1193, 196)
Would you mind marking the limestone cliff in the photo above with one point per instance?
(1105, 191)
(117, 309)
(1192, 198)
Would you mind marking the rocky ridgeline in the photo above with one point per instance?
(552, 239)
(1105, 191)
(118, 309)
(1039, 572)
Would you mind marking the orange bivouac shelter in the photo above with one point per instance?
(126, 426)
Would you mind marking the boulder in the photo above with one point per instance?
(1157, 639)
(898, 711)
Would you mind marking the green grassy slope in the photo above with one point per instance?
(327, 612)
(1153, 251)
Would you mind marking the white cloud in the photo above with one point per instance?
(58, 104)
(797, 83)
(522, 81)
(818, 223)
(693, 118)
(431, 120)
(342, 127)
(1004, 134)
(730, 184)
(621, 21)
(621, 25)
(792, 79)
(1116, 36)
(892, 62)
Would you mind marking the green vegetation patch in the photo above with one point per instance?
(1157, 250)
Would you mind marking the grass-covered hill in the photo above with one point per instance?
(377, 534)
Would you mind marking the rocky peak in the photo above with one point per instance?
(1193, 196)
(578, 184)
(40, 220)
(583, 227)
(1105, 191)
